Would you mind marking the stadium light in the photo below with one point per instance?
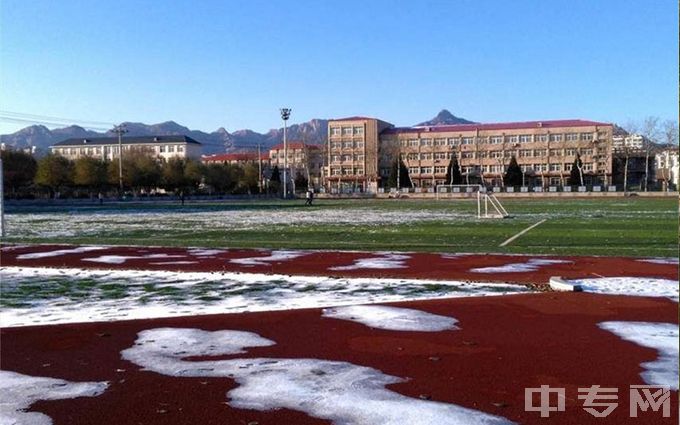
(285, 114)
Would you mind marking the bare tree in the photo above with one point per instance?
(650, 133)
(670, 138)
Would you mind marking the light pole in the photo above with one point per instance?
(120, 130)
(285, 114)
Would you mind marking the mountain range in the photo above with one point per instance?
(220, 140)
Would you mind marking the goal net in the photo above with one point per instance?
(488, 206)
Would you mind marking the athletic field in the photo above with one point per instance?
(632, 226)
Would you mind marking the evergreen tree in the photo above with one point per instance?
(513, 175)
(404, 179)
(275, 180)
(18, 170)
(54, 172)
(453, 175)
(576, 177)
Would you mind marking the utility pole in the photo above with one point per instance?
(259, 167)
(120, 130)
(2, 202)
(285, 114)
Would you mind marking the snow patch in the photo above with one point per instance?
(120, 259)
(20, 391)
(341, 392)
(275, 256)
(673, 261)
(392, 318)
(162, 263)
(200, 252)
(58, 252)
(529, 266)
(387, 261)
(662, 337)
(633, 286)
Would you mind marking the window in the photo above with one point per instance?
(496, 169)
(403, 143)
(171, 149)
(496, 140)
(425, 142)
(346, 171)
(452, 141)
(587, 166)
(482, 154)
(572, 137)
(541, 137)
(555, 152)
(540, 152)
(467, 141)
(526, 153)
(482, 140)
(413, 170)
(413, 142)
(412, 157)
(162, 149)
(335, 131)
(513, 139)
(358, 131)
(336, 145)
(347, 145)
(540, 167)
(346, 131)
(555, 137)
(467, 155)
(525, 138)
(359, 145)
(570, 152)
(588, 151)
(440, 142)
(180, 148)
(335, 171)
(359, 171)
(440, 170)
(440, 155)
(587, 136)
(335, 158)
(496, 154)
(358, 158)
(555, 167)
(424, 156)
(346, 158)
(425, 170)
(568, 166)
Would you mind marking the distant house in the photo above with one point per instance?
(241, 158)
(667, 171)
(107, 147)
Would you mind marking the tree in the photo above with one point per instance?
(53, 172)
(141, 170)
(576, 176)
(18, 170)
(217, 176)
(193, 174)
(172, 171)
(650, 133)
(90, 173)
(453, 175)
(248, 182)
(399, 172)
(301, 182)
(513, 174)
(275, 180)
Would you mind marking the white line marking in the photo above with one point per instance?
(523, 232)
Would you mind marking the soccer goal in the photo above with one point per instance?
(488, 206)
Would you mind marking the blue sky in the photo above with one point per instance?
(207, 64)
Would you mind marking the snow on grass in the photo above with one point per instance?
(32, 296)
(341, 392)
(673, 261)
(662, 337)
(528, 266)
(392, 318)
(634, 286)
(86, 222)
(58, 252)
(386, 261)
(120, 259)
(20, 391)
(275, 256)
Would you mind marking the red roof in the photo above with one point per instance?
(497, 126)
(242, 156)
(356, 118)
(295, 145)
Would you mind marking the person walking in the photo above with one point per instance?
(310, 196)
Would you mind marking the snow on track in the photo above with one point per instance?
(273, 257)
(633, 286)
(529, 266)
(392, 318)
(34, 296)
(20, 391)
(58, 252)
(120, 259)
(342, 392)
(662, 337)
(386, 261)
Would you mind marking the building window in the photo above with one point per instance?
(452, 141)
(163, 148)
(358, 131)
(482, 140)
(425, 156)
(525, 138)
(568, 166)
(347, 145)
(335, 131)
(413, 170)
(360, 145)
(180, 148)
(496, 140)
(425, 142)
(346, 131)
(555, 167)
(440, 170)
(570, 152)
(587, 136)
(346, 158)
(440, 142)
(467, 155)
(467, 141)
(336, 145)
(588, 151)
(496, 154)
(412, 157)
(587, 166)
(347, 171)
(335, 171)
(359, 171)
(555, 152)
(555, 137)
(403, 143)
(526, 153)
(540, 152)
(425, 170)
(541, 138)
(335, 158)
(440, 155)
(513, 139)
(572, 137)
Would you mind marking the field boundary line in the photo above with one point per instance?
(523, 232)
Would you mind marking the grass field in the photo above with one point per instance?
(631, 226)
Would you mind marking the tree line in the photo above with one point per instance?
(142, 173)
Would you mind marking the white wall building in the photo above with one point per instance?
(107, 147)
(667, 171)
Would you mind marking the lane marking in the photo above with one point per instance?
(523, 232)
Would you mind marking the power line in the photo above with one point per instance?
(23, 115)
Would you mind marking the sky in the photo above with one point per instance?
(209, 64)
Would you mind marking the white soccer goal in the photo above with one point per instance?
(484, 199)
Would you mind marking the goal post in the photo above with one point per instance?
(488, 206)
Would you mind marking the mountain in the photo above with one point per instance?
(444, 117)
(220, 140)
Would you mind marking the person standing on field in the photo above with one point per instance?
(310, 196)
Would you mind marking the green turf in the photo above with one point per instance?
(612, 226)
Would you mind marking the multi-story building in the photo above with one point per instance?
(107, 147)
(240, 158)
(362, 151)
(303, 158)
(353, 153)
(667, 169)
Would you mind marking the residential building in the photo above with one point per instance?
(353, 154)
(303, 158)
(667, 172)
(107, 147)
